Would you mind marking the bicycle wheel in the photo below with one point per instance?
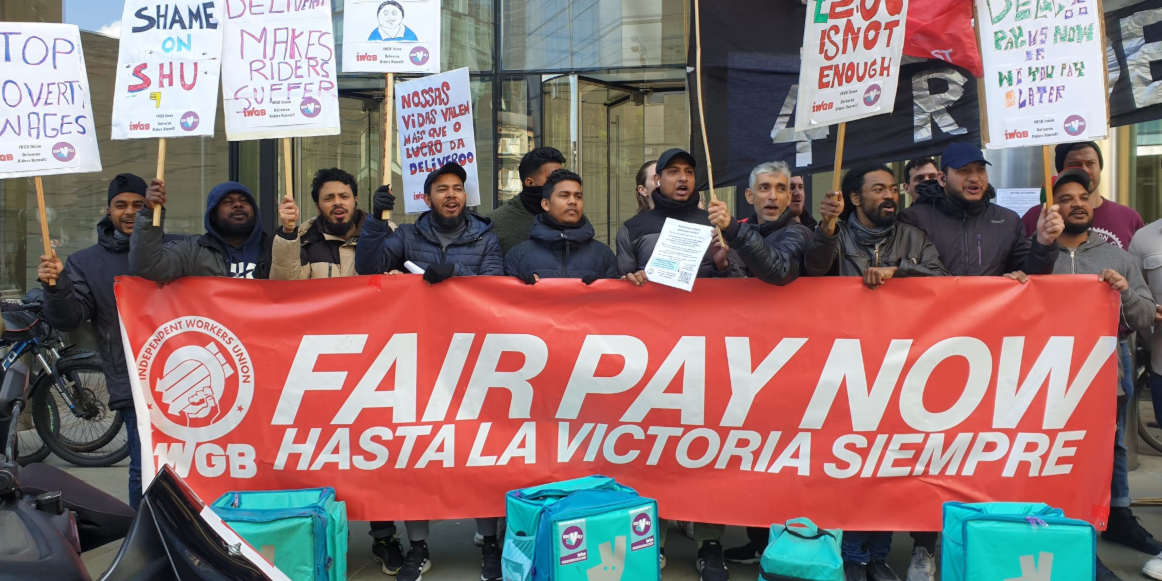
(90, 436)
(1148, 426)
(29, 446)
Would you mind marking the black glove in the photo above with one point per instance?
(589, 278)
(528, 278)
(436, 273)
(382, 201)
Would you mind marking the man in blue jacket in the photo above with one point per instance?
(83, 290)
(445, 241)
(561, 243)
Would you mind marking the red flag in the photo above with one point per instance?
(942, 29)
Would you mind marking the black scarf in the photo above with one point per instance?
(868, 238)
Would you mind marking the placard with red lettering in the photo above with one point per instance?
(167, 69)
(1044, 72)
(278, 69)
(739, 403)
(434, 118)
(850, 61)
(391, 36)
(46, 118)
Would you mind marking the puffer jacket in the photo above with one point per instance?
(206, 255)
(638, 236)
(773, 251)
(906, 248)
(979, 240)
(512, 222)
(312, 252)
(84, 291)
(557, 251)
(475, 252)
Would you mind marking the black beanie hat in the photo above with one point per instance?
(126, 183)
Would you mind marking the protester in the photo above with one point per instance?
(324, 246)
(82, 290)
(976, 237)
(1146, 248)
(918, 171)
(646, 182)
(769, 243)
(561, 243)
(1110, 219)
(445, 241)
(234, 244)
(799, 203)
(513, 221)
(1083, 251)
(675, 198)
(870, 243)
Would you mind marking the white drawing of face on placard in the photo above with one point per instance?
(390, 26)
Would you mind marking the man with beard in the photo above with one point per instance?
(871, 244)
(83, 291)
(513, 221)
(1081, 250)
(1110, 219)
(675, 198)
(561, 243)
(974, 236)
(799, 203)
(324, 246)
(445, 241)
(769, 243)
(234, 244)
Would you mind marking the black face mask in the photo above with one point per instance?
(530, 196)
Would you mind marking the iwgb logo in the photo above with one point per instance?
(197, 378)
(64, 151)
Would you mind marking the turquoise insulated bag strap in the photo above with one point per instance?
(804, 528)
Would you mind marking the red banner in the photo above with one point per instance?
(739, 403)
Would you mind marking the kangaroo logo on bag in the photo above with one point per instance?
(642, 526)
(1039, 571)
(204, 385)
(572, 534)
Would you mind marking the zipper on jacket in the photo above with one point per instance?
(1073, 261)
(979, 253)
(565, 264)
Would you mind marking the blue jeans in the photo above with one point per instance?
(1120, 486)
(865, 547)
(129, 416)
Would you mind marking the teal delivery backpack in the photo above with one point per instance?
(303, 532)
(801, 551)
(586, 529)
(1015, 540)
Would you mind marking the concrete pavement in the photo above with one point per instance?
(454, 558)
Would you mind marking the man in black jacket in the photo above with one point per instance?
(974, 236)
(234, 244)
(770, 243)
(870, 243)
(84, 291)
(561, 243)
(513, 220)
(675, 197)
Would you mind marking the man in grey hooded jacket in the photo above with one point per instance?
(1081, 251)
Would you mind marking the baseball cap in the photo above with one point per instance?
(448, 168)
(1074, 176)
(961, 154)
(671, 155)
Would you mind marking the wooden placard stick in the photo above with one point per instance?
(1047, 168)
(40, 208)
(388, 138)
(701, 111)
(288, 175)
(837, 170)
(160, 177)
